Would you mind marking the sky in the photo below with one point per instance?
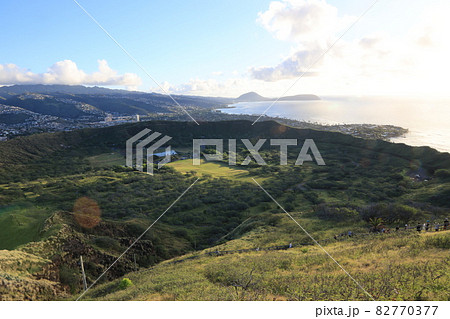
(227, 48)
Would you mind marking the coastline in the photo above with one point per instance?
(410, 121)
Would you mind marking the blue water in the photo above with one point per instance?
(428, 120)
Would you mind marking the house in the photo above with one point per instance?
(162, 154)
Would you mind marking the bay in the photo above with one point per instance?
(428, 120)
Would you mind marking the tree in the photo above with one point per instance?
(376, 223)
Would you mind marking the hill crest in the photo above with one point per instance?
(255, 97)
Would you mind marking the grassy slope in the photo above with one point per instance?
(106, 159)
(19, 277)
(20, 225)
(397, 266)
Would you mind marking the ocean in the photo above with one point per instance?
(428, 120)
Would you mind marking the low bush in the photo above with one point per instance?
(438, 241)
(125, 283)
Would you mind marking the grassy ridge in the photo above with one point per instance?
(389, 267)
(23, 150)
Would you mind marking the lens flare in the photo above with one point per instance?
(87, 212)
(280, 129)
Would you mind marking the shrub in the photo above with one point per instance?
(231, 276)
(333, 212)
(312, 197)
(443, 173)
(441, 197)
(125, 283)
(70, 278)
(107, 243)
(438, 242)
(390, 212)
(284, 263)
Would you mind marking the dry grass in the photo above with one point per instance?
(390, 267)
(18, 271)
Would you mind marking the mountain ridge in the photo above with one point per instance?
(77, 101)
(255, 97)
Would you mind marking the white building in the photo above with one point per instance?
(162, 154)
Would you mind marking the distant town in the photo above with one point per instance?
(31, 109)
(24, 122)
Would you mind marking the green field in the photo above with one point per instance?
(106, 159)
(213, 169)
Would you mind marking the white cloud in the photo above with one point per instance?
(374, 64)
(414, 62)
(309, 24)
(209, 87)
(302, 21)
(293, 66)
(411, 63)
(231, 87)
(67, 72)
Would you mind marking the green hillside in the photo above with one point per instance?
(48, 180)
(20, 225)
(65, 101)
